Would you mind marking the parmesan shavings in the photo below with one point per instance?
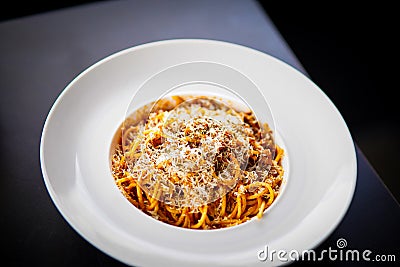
(193, 154)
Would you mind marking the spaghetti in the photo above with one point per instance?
(234, 156)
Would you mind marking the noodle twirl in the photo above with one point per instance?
(197, 163)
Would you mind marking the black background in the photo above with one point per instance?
(348, 51)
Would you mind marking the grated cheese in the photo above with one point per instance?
(194, 153)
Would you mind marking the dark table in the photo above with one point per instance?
(41, 54)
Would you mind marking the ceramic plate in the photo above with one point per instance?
(75, 146)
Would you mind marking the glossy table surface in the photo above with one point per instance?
(41, 54)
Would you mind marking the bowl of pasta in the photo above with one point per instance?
(199, 156)
(193, 152)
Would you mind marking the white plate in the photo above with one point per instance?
(78, 131)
